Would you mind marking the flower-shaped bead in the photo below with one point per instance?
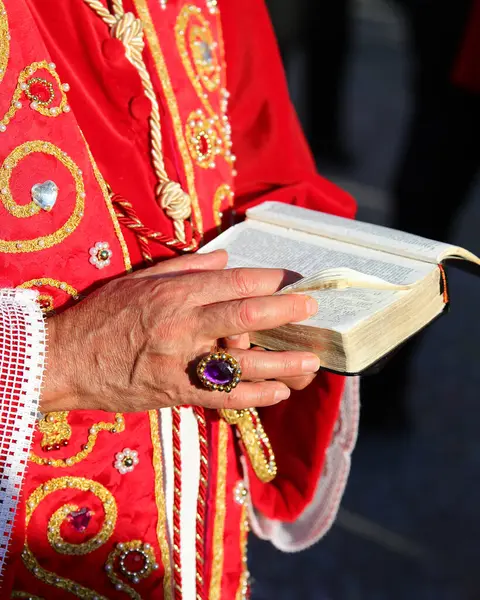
(100, 255)
(126, 461)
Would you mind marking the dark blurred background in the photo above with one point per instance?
(389, 96)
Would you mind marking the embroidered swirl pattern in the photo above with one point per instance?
(25, 86)
(57, 542)
(30, 209)
(202, 57)
(116, 427)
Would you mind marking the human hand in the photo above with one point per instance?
(133, 344)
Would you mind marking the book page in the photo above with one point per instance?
(256, 244)
(348, 230)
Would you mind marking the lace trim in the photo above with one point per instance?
(22, 360)
(319, 516)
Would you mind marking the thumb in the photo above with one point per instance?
(210, 261)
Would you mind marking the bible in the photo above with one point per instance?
(375, 286)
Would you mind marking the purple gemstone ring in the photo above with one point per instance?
(219, 372)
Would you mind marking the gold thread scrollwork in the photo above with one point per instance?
(202, 58)
(116, 427)
(4, 40)
(19, 594)
(28, 210)
(255, 441)
(224, 193)
(205, 56)
(54, 537)
(45, 300)
(26, 81)
(55, 430)
(22, 211)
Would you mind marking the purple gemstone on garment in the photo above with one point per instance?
(80, 519)
(219, 372)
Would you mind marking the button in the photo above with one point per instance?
(113, 50)
(140, 107)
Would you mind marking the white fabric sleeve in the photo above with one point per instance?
(319, 516)
(22, 361)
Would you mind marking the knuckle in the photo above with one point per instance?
(246, 315)
(265, 394)
(243, 284)
(298, 308)
(291, 365)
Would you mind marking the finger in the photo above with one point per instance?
(298, 383)
(232, 284)
(185, 264)
(254, 314)
(247, 395)
(237, 341)
(276, 365)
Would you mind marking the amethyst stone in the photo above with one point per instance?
(80, 519)
(219, 372)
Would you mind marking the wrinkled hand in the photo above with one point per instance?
(133, 344)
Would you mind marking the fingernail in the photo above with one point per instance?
(311, 365)
(312, 306)
(282, 394)
(234, 337)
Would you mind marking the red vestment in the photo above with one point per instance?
(93, 139)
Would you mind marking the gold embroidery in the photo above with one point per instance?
(25, 80)
(4, 40)
(46, 301)
(205, 68)
(255, 440)
(224, 192)
(157, 54)
(55, 430)
(220, 513)
(244, 586)
(205, 58)
(202, 140)
(110, 510)
(160, 500)
(27, 210)
(18, 594)
(108, 202)
(192, 22)
(59, 285)
(117, 427)
(120, 554)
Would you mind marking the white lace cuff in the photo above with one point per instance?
(319, 516)
(22, 360)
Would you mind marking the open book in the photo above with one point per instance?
(375, 286)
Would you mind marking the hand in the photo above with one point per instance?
(133, 344)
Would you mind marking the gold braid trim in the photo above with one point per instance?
(255, 441)
(220, 513)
